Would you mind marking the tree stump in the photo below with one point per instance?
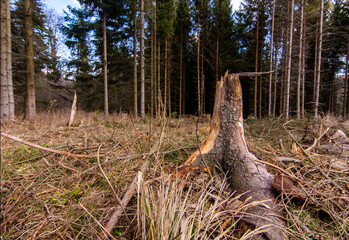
(225, 150)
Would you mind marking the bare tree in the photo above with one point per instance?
(105, 66)
(29, 52)
(5, 110)
(289, 60)
(142, 61)
(300, 61)
(271, 59)
(135, 81)
(256, 67)
(318, 69)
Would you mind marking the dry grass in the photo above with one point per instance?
(43, 194)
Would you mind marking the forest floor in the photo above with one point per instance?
(47, 195)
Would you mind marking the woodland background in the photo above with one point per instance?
(145, 56)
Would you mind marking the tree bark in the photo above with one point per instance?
(345, 104)
(226, 148)
(105, 66)
(142, 62)
(256, 68)
(135, 81)
(198, 73)
(9, 63)
(5, 108)
(318, 69)
(303, 69)
(271, 60)
(30, 71)
(289, 60)
(300, 62)
(180, 78)
(165, 75)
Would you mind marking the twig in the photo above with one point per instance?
(127, 197)
(130, 157)
(316, 141)
(106, 178)
(44, 148)
(278, 168)
(99, 224)
(253, 74)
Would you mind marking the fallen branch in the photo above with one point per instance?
(316, 141)
(278, 168)
(127, 197)
(253, 74)
(44, 148)
(99, 224)
(111, 186)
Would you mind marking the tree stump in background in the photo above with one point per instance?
(225, 150)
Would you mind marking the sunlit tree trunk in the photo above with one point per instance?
(30, 71)
(105, 67)
(345, 103)
(180, 77)
(303, 67)
(300, 62)
(152, 68)
(198, 71)
(288, 80)
(256, 68)
(165, 74)
(135, 81)
(142, 62)
(318, 69)
(275, 75)
(5, 108)
(271, 60)
(169, 79)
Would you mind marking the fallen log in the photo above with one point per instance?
(225, 149)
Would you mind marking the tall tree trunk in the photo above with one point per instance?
(300, 61)
(159, 77)
(217, 57)
(303, 67)
(226, 148)
(315, 61)
(275, 75)
(180, 77)
(105, 66)
(318, 69)
(152, 68)
(135, 81)
(260, 82)
(202, 94)
(289, 61)
(9, 63)
(5, 108)
(346, 90)
(169, 79)
(256, 67)
(165, 75)
(198, 69)
(142, 62)
(155, 65)
(271, 60)
(30, 70)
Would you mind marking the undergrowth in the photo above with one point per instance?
(42, 193)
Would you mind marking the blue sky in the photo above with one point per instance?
(60, 5)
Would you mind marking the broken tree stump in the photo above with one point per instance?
(225, 149)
